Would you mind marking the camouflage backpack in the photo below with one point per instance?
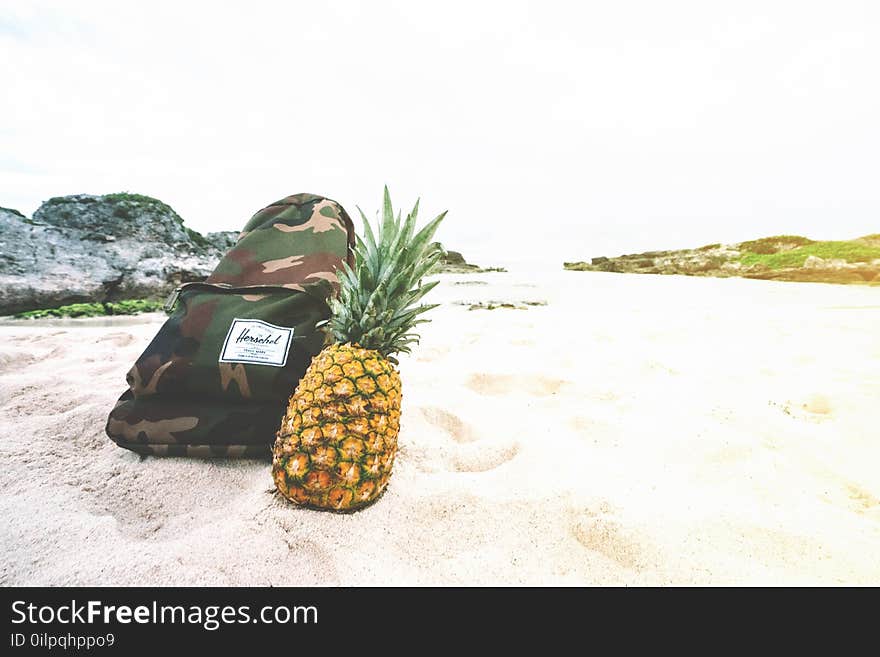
(216, 378)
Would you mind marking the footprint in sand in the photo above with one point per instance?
(484, 458)
(458, 430)
(596, 529)
(470, 458)
(15, 361)
(500, 384)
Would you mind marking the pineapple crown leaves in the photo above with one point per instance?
(376, 307)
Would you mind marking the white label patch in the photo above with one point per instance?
(253, 341)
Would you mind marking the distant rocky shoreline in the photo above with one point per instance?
(454, 263)
(781, 258)
(85, 249)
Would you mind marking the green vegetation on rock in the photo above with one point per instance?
(197, 237)
(131, 204)
(140, 199)
(127, 205)
(774, 244)
(126, 307)
(13, 211)
(850, 251)
(779, 257)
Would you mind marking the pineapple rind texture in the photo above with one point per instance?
(337, 441)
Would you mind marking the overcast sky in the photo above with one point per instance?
(549, 130)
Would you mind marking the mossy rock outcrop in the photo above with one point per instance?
(779, 257)
(99, 249)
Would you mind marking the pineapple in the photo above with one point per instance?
(338, 439)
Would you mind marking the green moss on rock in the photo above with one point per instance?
(141, 200)
(774, 244)
(13, 211)
(126, 307)
(850, 251)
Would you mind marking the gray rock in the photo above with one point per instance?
(124, 216)
(223, 240)
(454, 263)
(454, 258)
(97, 248)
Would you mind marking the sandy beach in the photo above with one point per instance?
(634, 430)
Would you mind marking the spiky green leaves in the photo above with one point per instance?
(377, 304)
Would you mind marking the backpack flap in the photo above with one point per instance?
(251, 343)
(300, 239)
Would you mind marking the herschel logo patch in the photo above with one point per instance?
(256, 342)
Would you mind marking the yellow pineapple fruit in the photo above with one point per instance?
(337, 441)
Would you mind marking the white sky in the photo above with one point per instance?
(550, 130)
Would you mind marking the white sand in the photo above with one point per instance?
(636, 430)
